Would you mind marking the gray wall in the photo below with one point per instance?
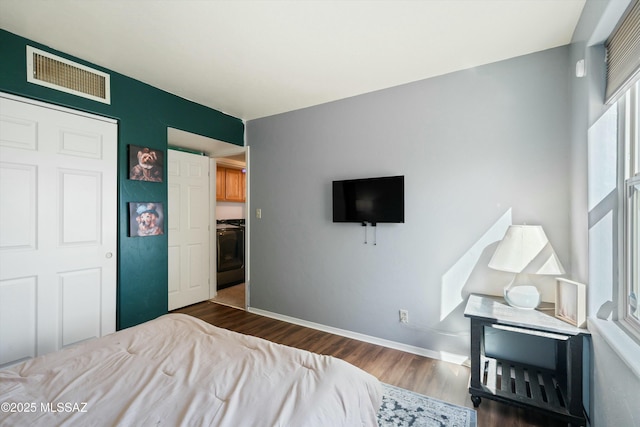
(480, 149)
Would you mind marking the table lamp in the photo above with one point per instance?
(525, 250)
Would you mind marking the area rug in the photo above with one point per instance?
(404, 408)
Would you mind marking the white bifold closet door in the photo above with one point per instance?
(58, 228)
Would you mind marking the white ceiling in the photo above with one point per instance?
(254, 58)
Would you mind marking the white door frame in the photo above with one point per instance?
(213, 250)
(247, 244)
(57, 107)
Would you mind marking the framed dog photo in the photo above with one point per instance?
(146, 219)
(146, 164)
(571, 302)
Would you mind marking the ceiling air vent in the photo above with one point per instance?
(58, 73)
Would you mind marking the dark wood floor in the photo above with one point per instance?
(438, 379)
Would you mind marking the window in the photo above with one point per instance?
(629, 114)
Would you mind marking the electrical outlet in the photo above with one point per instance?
(404, 316)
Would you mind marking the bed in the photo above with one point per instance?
(179, 370)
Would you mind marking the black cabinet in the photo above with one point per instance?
(557, 392)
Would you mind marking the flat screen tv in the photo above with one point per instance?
(369, 200)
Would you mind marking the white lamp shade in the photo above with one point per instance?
(526, 249)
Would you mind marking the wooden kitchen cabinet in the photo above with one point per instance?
(220, 184)
(230, 184)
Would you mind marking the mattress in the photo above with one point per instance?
(178, 370)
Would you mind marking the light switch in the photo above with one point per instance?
(258, 213)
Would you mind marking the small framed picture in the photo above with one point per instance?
(145, 164)
(571, 302)
(146, 219)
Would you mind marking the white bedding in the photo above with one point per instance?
(178, 370)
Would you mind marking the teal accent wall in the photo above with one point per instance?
(144, 113)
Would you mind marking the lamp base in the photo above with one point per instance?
(525, 297)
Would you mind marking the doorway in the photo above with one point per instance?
(229, 155)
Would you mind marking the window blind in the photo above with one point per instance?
(623, 54)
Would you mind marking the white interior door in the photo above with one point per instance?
(58, 203)
(188, 219)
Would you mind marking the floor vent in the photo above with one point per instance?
(58, 73)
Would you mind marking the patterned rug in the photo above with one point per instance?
(404, 408)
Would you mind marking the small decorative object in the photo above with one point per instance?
(145, 164)
(525, 250)
(571, 302)
(522, 296)
(146, 219)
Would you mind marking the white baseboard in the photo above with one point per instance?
(439, 355)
